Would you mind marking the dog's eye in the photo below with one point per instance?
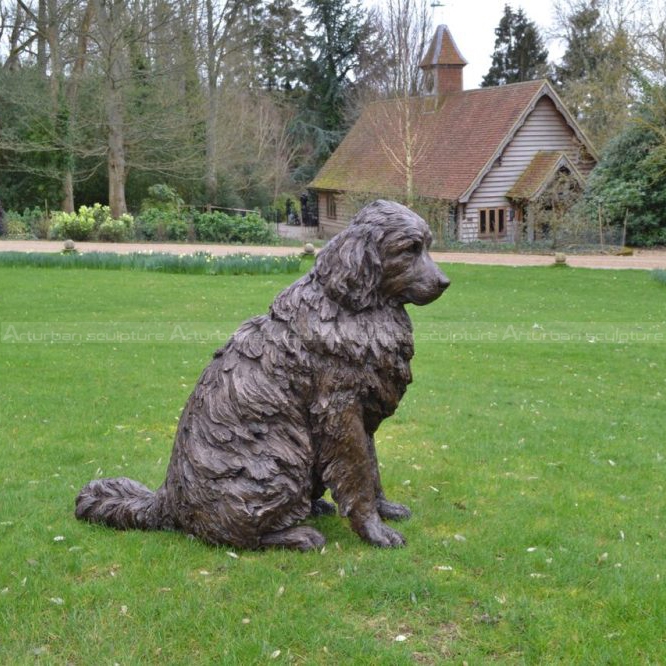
(414, 248)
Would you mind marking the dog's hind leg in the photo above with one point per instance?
(297, 538)
(320, 507)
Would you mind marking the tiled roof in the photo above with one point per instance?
(538, 174)
(443, 50)
(452, 144)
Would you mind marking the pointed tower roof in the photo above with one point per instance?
(443, 50)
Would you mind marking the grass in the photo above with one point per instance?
(200, 263)
(534, 469)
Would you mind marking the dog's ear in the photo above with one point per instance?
(350, 268)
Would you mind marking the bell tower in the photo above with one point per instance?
(443, 64)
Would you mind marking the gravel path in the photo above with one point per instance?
(641, 259)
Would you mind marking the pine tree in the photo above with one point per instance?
(341, 28)
(519, 53)
(282, 44)
(584, 36)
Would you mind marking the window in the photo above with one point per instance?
(331, 212)
(492, 223)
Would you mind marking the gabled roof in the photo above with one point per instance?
(455, 141)
(540, 172)
(443, 50)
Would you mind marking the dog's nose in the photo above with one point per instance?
(444, 282)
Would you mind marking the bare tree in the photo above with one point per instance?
(219, 23)
(111, 28)
(399, 124)
(408, 29)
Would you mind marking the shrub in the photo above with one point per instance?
(78, 227)
(116, 231)
(90, 223)
(219, 227)
(37, 222)
(15, 227)
(156, 224)
(213, 227)
(162, 197)
(31, 223)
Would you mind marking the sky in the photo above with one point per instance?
(472, 24)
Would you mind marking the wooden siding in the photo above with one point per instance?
(328, 226)
(544, 129)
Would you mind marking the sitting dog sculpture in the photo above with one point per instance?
(290, 405)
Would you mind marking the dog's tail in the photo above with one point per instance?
(122, 503)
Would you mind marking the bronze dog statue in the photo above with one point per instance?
(290, 405)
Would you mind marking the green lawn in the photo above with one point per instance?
(535, 471)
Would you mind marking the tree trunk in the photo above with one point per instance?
(212, 63)
(12, 61)
(114, 52)
(116, 155)
(211, 146)
(67, 203)
(41, 38)
(72, 92)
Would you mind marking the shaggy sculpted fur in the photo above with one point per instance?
(289, 406)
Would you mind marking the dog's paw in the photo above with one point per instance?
(378, 534)
(320, 507)
(298, 538)
(392, 510)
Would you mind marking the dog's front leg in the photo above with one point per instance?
(348, 468)
(387, 509)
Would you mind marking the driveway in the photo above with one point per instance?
(641, 259)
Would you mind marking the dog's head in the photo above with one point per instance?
(381, 257)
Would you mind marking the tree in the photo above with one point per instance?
(342, 26)
(597, 78)
(407, 31)
(282, 45)
(399, 125)
(583, 33)
(43, 98)
(217, 33)
(629, 184)
(519, 53)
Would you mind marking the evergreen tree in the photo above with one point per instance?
(629, 184)
(282, 45)
(519, 53)
(584, 37)
(341, 28)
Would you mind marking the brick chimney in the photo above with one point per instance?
(443, 64)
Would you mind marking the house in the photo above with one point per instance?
(488, 153)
